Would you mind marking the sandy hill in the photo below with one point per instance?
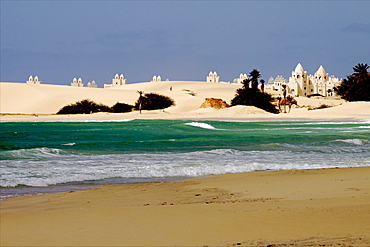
(21, 98)
(47, 99)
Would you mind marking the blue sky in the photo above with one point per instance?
(179, 40)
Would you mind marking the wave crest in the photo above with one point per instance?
(357, 142)
(32, 153)
(201, 125)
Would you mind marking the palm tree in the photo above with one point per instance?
(357, 86)
(246, 83)
(254, 75)
(360, 72)
(140, 100)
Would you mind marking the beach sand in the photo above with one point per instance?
(23, 102)
(319, 207)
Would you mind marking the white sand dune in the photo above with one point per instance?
(21, 98)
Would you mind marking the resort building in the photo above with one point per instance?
(157, 79)
(92, 84)
(33, 81)
(213, 77)
(241, 78)
(118, 80)
(301, 84)
(275, 85)
(77, 83)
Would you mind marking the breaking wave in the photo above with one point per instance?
(201, 125)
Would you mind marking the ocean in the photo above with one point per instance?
(44, 157)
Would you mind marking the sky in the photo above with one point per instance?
(179, 40)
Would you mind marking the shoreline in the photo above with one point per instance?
(87, 185)
(316, 206)
(117, 117)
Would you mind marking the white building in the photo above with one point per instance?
(77, 83)
(301, 84)
(275, 85)
(241, 78)
(157, 79)
(118, 80)
(213, 77)
(92, 84)
(33, 81)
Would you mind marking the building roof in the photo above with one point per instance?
(321, 71)
(299, 68)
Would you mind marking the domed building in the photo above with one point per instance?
(301, 84)
(213, 77)
(34, 80)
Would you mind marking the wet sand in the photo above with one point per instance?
(296, 208)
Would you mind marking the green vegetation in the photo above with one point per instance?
(88, 107)
(357, 86)
(253, 96)
(192, 93)
(121, 107)
(153, 101)
(84, 107)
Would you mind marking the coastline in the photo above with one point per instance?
(296, 207)
(157, 115)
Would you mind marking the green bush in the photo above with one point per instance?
(84, 107)
(122, 107)
(249, 96)
(153, 101)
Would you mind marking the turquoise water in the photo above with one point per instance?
(52, 154)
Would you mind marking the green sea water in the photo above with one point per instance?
(35, 154)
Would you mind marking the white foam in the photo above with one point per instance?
(72, 167)
(69, 144)
(358, 142)
(34, 152)
(201, 125)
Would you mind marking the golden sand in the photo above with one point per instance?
(296, 208)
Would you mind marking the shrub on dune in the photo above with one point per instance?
(84, 107)
(153, 101)
(122, 107)
(253, 96)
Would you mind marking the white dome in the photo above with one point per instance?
(116, 76)
(321, 71)
(30, 78)
(299, 68)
